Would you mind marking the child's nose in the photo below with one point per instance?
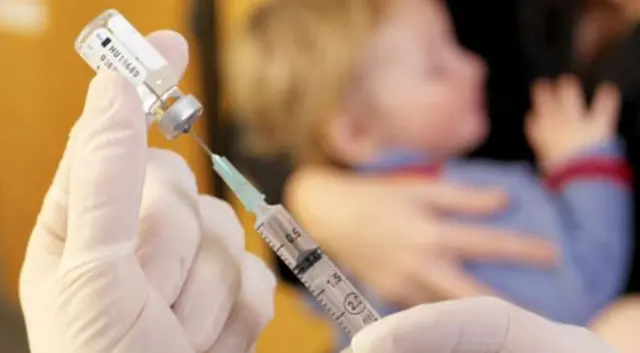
(476, 67)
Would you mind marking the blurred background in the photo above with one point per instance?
(44, 82)
(43, 88)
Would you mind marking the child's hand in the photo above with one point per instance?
(560, 124)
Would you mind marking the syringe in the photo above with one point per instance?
(327, 284)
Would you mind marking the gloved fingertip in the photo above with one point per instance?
(110, 92)
(173, 47)
(170, 37)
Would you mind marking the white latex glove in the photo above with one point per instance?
(125, 255)
(473, 325)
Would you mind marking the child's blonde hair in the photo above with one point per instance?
(289, 68)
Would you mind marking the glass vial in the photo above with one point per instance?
(110, 42)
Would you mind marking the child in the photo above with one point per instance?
(383, 87)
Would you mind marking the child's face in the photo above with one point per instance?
(427, 90)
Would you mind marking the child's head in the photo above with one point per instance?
(345, 80)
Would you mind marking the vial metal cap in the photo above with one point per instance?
(179, 118)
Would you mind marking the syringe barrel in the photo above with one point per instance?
(303, 256)
(110, 42)
(337, 295)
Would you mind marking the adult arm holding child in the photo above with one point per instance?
(408, 254)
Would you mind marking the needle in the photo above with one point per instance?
(201, 143)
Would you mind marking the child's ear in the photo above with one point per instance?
(351, 139)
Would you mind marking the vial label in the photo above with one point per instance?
(102, 51)
(132, 39)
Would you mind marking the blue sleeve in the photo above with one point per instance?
(589, 220)
(597, 214)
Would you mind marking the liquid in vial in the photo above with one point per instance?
(110, 42)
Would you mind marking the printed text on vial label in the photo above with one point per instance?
(124, 62)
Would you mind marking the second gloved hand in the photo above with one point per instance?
(126, 256)
(476, 325)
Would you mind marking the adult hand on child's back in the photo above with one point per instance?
(392, 236)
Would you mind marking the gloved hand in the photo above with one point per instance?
(125, 255)
(473, 325)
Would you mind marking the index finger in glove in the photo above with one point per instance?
(472, 325)
(173, 47)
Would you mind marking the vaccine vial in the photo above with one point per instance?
(110, 42)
